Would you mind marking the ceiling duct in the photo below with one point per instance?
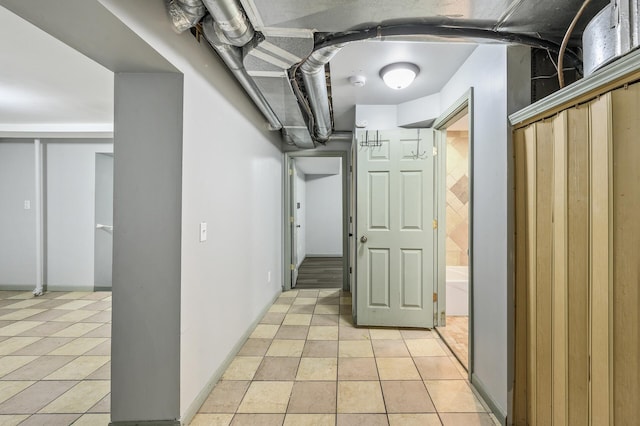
(184, 14)
(295, 39)
(268, 60)
(316, 84)
(260, 63)
(232, 56)
(612, 33)
(225, 35)
(230, 23)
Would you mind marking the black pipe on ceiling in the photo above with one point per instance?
(442, 30)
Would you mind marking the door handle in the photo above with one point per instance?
(363, 239)
(297, 226)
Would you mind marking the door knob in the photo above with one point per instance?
(363, 239)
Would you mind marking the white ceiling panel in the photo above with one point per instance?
(42, 80)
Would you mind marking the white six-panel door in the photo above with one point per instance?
(395, 229)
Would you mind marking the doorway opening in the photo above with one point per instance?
(455, 205)
(316, 255)
(103, 242)
(456, 329)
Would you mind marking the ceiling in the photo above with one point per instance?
(319, 165)
(437, 63)
(44, 81)
(549, 18)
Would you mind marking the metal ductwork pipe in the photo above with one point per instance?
(232, 56)
(341, 137)
(184, 14)
(316, 84)
(231, 24)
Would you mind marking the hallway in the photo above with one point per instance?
(306, 364)
(320, 272)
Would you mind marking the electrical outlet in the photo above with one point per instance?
(27, 204)
(203, 232)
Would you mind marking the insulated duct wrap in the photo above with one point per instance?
(315, 82)
(184, 14)
(232, 57)
(231, 24)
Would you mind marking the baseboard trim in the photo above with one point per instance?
(337, 256)
(147, 423)
(47, 287)
(191, 412)
(479, 387)
(50, 287)
(17, 287)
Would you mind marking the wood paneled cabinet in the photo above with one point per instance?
(577, 205)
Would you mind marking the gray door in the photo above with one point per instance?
(104, 222)
(395, 232)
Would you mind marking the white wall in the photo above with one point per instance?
(17, 225)
(324, 215)
(376, 117)
(491, 189)
(419, 110)
(301, 217)
(70, 212)
(232, 179)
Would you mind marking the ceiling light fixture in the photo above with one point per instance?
(399, 75)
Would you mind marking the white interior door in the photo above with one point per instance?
(395, 232)
(103, 249)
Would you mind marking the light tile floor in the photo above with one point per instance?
(456, 334)
(55, 358)
(306, 364)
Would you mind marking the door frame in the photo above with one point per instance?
(448, 117)
(289, 210)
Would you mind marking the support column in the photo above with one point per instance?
(38, 210)
(145, 354)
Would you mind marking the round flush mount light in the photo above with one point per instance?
(399, 75)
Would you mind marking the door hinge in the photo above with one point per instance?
(293, 267)
(291, 219)
(435, 297)
(351, 169)
(290, 172)
(435, 223)
(350, 219)
(435, 151)
(350, 270)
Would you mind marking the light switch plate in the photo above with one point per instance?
(203, 232)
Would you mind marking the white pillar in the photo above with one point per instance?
(38, 214)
